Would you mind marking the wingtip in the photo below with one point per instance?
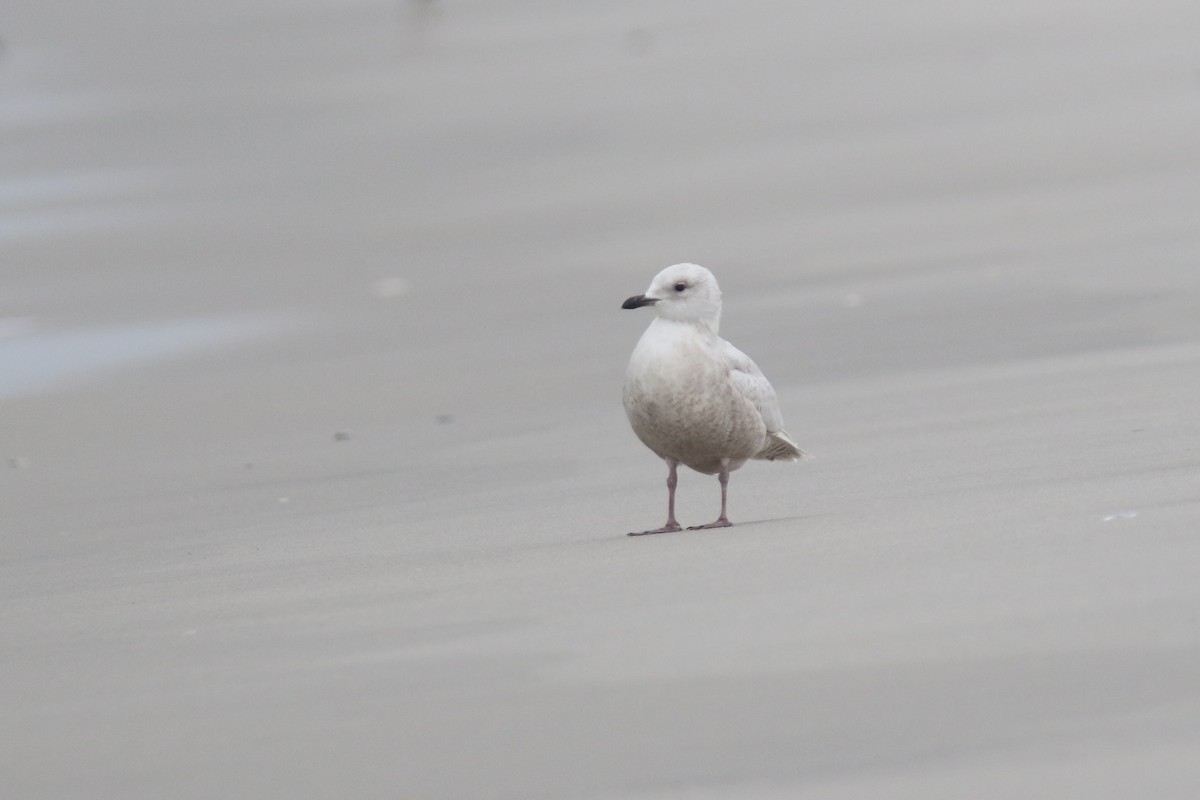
(782, 448)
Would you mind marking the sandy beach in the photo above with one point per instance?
(314, 476)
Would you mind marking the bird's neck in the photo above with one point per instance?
(707, 327)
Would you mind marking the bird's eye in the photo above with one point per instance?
(679, 287)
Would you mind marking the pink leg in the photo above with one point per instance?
(723, 520)
(672, 481)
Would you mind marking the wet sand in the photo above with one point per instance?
(314, 473)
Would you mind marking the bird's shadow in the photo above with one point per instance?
(732, 530)
(795, 518)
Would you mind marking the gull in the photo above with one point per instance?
(692, 397)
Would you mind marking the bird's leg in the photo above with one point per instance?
(723, 520)
(672, 481)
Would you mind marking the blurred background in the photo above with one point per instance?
(369, 215)
(357, 188)
(324, 265)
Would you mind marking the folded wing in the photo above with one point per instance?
(748, 379)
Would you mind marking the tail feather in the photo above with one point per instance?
(780, 447)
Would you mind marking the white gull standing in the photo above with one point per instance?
(692, 397)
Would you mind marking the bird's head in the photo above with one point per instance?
(683, 293)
